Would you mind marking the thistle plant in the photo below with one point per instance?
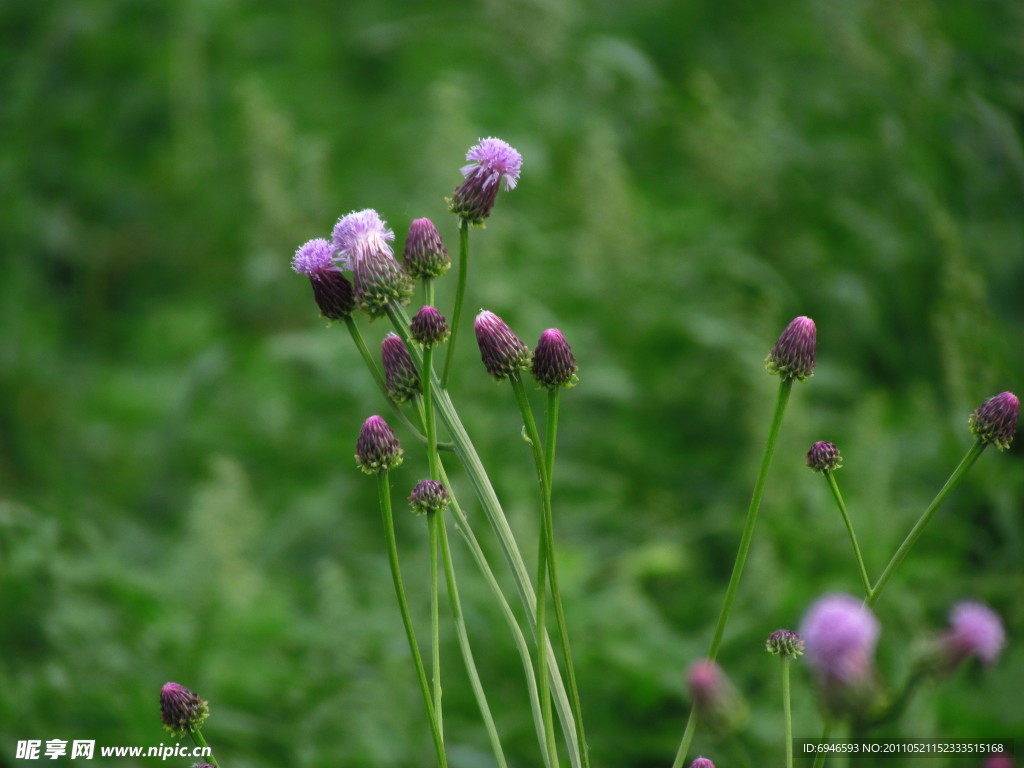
(183, 714)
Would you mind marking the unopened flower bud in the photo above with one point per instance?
(824, 457)
(425, 254)
(502, 352)
(400, 374)
(785, 642)
(377, 448)
(995, 421)
(332, 291)
(429, 327)
(181, 710)
(718, 704)
(553, 361)
(380, 280)
(792, 357)
(702, 762)
(428, 496)
(492, 162)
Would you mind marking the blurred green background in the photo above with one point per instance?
(178, 499)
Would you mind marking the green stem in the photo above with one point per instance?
(460, 292)
(915, 533)
(197, 737)
(435, 623)
(786, 712)
(831, 479)
(384, 493)
(684, 744)
(819, 759)
(428, 291)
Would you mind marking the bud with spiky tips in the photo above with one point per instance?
(716, 700)
(792, 357)
(492, 162)
(332, 291)
(429, 327)
(504, 354)
(425, 254)
(400, 374)
(824, 457)
(784, 642)
(182, 711)
(553, 362)
(995, 420)
(377, 449)
(702, 762)
(428, 496)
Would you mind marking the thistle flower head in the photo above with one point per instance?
(380, 280)
(492, 162)
(995, 420)
(360, 233)
(702, 762)
(429, 327)
(502, 352)
(400, 375)
(792, 357)
(824, 457)
(332, 291)
(425, 254)
(784, 642)
(716, 700)
(840, 634)
(377, 448)
(428, 496)
(974, 630)
(181, 710)
(553, 361)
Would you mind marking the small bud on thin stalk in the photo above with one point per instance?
(377, 448)
(792, 357)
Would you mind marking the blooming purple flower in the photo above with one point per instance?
(314, 258)
(377, 448)
(995, 420)
(792, 357)
(429, 326)
(332, 291)
(425, 254)
(702, 762)
(428, 496)
(360, 233)
(504, 354)
(553, 361)
(840, 634)
(400, 375)
(974, 630)
(181, 711)
(492, 163)
(824, 457)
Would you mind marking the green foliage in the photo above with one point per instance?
(180, 500)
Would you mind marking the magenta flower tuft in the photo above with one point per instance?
(840, 634)
(784, 642)
(425, 254)
(377, 449)
(360, 233)
(181, 710)
(428, 496)
(332, 291)
(553, 361)
(504, 354)
(702, 762)
(492, 163)
(792, 357)
(995, 420)
(974, 630)
(429, 327)
(717, 702)
(824, 457)
(400, 375)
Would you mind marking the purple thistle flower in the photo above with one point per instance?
(425, 254)
(429, 326)
(974, 630)
(504, 354)
(181, 710)
(377, 449)
(792, 357)
(784, 642)
(428, 496)
(995, 420)
(702, 762)
(717, 702)
(492, 162)
(332, 291)
(360, 233)
(553, 361)
(400, 375)
(840, 634)
(824, 457)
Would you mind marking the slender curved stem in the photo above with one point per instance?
(915, 533)
(460, 292)
(684, 744)
(831, 480)
(197, 737)
(786, 711)
(819, 759)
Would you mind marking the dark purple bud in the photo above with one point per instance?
(428, 496)
(181, 710)
(784, 642)
(824, 457)
(995, 421)
(792, 357)
(400, 374)
(380, 280)
(553, 361)
(377, 449)
(332, 291)
(492, 162)
(503, 353)
(429, 327)
(425, 254)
